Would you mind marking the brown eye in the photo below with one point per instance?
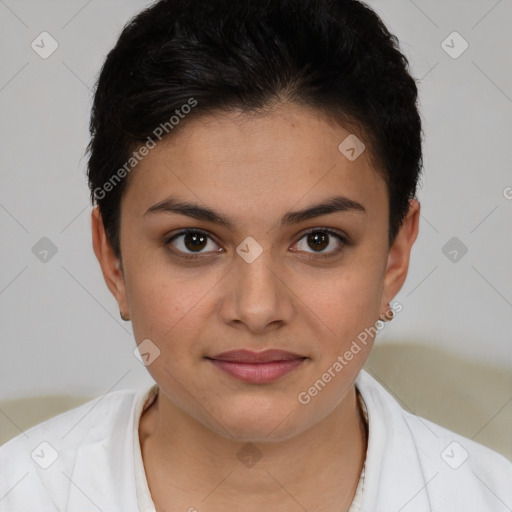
(320, 239)
(191, 243)
(194, 241)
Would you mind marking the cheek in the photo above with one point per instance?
(346, 301)
(165, 302)
(170, 303)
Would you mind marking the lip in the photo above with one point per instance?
(257, 367)
(248, 356)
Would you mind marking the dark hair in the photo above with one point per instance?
(333, 55)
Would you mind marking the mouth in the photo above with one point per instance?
(257, 367)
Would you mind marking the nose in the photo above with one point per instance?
(258, 296)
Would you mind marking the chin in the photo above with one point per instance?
(259, 424)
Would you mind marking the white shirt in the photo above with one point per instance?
(90, 460)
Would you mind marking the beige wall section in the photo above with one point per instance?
(471, 399)
(18, 415)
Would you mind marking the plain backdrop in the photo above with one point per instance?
(60, 329)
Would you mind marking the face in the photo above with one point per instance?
(240, 272)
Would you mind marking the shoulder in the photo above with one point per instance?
(460, 465)
(86, 422)
(455, 470)
(36, 465)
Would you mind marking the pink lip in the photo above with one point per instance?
(257, 367)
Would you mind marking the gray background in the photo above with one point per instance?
(60, 328)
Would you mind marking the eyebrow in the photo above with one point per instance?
(332, 205)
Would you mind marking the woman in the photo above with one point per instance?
(253, 169)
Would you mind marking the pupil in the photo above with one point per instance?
(197, 239)
(318, 239)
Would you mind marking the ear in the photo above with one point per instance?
(110, 265)
(399, 254)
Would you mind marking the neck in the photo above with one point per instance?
(321, 463)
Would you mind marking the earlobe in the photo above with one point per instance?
(109, 263)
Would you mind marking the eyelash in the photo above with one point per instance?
(344, 242)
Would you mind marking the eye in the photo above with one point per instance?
(193, 240)
(192, 243)
(321, 238)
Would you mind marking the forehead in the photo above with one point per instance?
(257, 166)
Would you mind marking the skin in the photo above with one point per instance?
(254, 169)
